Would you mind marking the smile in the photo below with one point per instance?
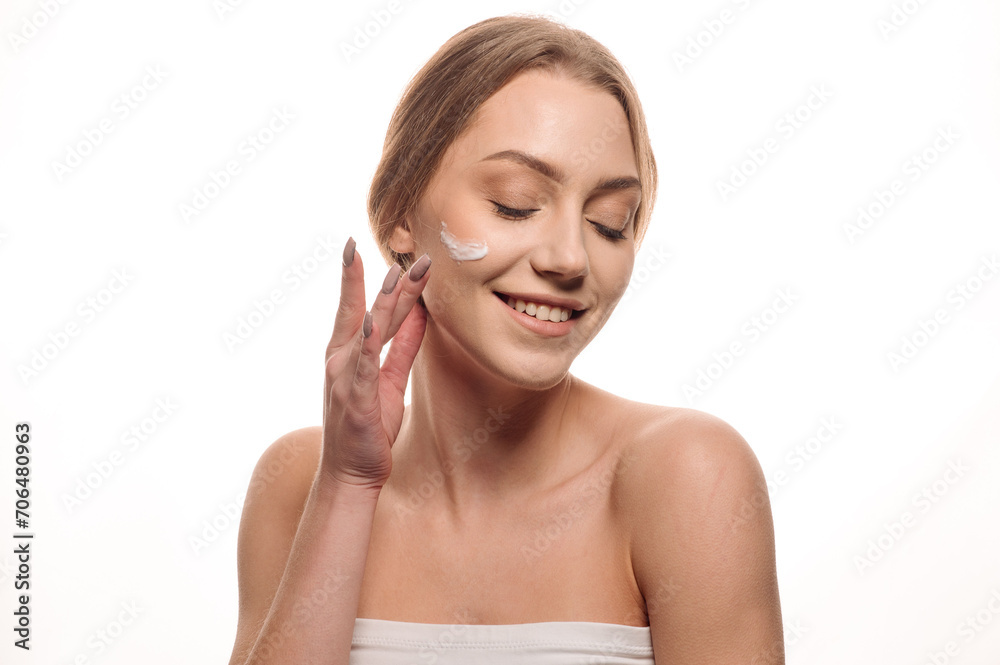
(542, 311)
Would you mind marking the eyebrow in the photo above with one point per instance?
(553, 173)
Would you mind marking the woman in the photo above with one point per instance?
(511, 512)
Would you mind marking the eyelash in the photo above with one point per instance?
(515, 213)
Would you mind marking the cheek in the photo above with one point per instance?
(460, 248)
(463, 232)
(452, 231)
(619, 274)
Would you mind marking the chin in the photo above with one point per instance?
(534, 377)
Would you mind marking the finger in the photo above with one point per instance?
(409, 292)
(364, 389)
(351, 311)
(404, 347)
(377, 316)
(385, 300)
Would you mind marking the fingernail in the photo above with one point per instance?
(349, 252)
(391, 278)
(418, 269)
(366, 327)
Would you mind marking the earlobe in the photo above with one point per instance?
(401, 241)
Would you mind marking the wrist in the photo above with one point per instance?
(328, 486)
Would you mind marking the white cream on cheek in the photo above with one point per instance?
(462, 251)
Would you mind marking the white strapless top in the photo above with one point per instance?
(384, 642)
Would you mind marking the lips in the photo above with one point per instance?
(544, 321)
(543, 310)
(574, 306)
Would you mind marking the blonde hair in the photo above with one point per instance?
(441, 99)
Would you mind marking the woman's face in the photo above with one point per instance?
(546, 180)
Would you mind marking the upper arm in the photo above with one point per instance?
(275, 499)
(703, 544)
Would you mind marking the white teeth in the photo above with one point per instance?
(540, 312)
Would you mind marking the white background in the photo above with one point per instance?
(890, 90)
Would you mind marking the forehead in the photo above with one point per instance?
(577, 127)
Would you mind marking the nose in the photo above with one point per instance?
(561, 250)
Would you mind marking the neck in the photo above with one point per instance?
(476, 442)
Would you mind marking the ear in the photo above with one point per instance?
(401, 240)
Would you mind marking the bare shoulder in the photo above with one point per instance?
(279, 487)
(671, 449)
(689, 471)
(701, 537)
(286, 468)
(688, 451)
(275, 500)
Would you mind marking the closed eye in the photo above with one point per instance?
(607, 231)
(519, 213)
(513, 213)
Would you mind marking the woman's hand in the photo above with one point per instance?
(363, 404)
